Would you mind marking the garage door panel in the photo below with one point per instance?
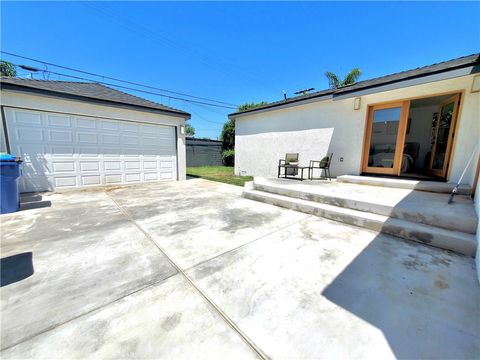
(25, 135)
(65, 181)
(63, 167)
(109, 125)
(110, 139)
(62, 151)
(166, 175)
(87, 166)
(113, 179)
(150, 176)
(87, 138)
(34, 183)
(92, 180)
(112, 165)
(56, 136)
(150, 165)
(59, 121)
(133, 177)
(85, 124)
(27, 118)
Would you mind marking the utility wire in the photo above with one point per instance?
(114, 79)
(211, 61)
(131, 89)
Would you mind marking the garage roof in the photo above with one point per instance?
(87, 91)
(462, 62)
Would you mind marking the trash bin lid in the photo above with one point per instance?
(7, 157)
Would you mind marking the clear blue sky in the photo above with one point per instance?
(237, 51)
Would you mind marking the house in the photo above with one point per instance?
(75, 135)
(422, 123)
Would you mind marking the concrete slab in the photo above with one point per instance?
(459, 242)
(321, 289)
(203, 219)
(65, 260)
(400, 183)
(416, 206)
(84, 281)
(169, 320)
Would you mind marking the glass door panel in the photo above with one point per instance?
(443, 136)
(384, 132)
(383, 137)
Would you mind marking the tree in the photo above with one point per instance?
(189, 130)
(248, 106)
(228, 135)
(7, 69)
(335, 82)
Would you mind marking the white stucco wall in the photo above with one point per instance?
(49, 103)
(318, 128)
(477, 209)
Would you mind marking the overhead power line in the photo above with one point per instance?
(130, 88)
(212, 60)
(115, 79)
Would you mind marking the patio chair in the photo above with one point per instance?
(323, 165)
(290, 159)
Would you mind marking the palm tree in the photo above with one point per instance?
(335, 82)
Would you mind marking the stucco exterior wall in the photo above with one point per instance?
(477, 209)
(55, 104)
(332, 125)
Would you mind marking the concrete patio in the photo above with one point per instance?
(192, 269)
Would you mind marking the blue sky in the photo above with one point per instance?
(237, 51)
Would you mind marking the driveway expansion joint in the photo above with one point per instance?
(250, 242)
(147, 286)
(180, 271)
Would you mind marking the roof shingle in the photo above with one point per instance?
(87, 90)
(465, 61)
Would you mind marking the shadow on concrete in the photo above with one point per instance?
(30, 201)
(35, 205)
(16, 268)
(415, 296)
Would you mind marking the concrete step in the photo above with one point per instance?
(457, 241)
(413, 206)
(419, 185)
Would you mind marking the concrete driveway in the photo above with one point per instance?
(192, 270)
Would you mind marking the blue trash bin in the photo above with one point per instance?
(10, 171)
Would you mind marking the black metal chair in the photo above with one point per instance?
(324, 165)
(290, 159)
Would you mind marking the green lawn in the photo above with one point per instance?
(218, 173)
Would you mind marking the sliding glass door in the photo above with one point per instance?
(385, 136)
(443, 129)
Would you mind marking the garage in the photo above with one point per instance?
(85, 148)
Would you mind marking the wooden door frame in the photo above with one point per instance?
(368, 125)
(401, 133)
(446, 163)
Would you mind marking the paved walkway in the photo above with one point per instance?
(191, 269)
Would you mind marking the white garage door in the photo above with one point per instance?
(66, 151)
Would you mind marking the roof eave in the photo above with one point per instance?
(24, 88)
(350, 90)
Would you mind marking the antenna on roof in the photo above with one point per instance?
(29, 68)
(304, 91)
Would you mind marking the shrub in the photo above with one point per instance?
(228, 157)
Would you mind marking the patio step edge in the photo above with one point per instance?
(418, 185)
(456, 241)
(460, 224)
